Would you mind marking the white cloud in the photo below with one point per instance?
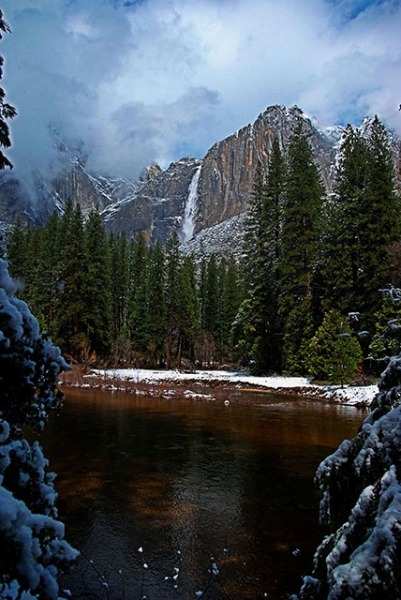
(156, 79)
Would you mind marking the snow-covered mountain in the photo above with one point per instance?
(203, 200)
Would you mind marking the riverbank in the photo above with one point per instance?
(193, 385)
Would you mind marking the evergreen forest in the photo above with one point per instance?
(312, 294)
(321, 270)
(109, 299)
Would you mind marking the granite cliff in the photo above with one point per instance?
(203, 200)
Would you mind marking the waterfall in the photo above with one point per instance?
(188, 224)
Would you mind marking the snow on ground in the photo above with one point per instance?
(350, 395)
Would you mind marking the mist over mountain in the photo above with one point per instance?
(203, 200)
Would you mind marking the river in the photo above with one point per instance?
(182, 499)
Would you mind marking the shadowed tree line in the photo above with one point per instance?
(121, 301)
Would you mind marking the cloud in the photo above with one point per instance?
(138, 134)
(152, 80)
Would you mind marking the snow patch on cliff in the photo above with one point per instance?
(223, 239)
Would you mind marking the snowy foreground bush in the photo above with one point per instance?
(32, 548)
(361, 503)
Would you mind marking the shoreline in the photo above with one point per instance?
(219, 385)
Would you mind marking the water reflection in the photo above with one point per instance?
(196, 487)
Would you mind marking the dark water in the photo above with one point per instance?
(196, 487)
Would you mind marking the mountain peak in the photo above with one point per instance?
(191, 195)
(152, 171)
(281, 111)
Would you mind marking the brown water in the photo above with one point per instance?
(194, 486)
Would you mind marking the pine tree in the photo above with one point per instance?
(262, 250)
(209, 310)
(364, 224)
(342, 243)
(173, 302)
(242, 334)
(138, 308)
(254, 238)
(31, 279)
(229, 300)
(298, 330)
(232, 293)
(267, 349)
(256, 276)
(136, 292)
(120, 275)
(202, 292)
(156, 306)
(299, 246)
(71, 330)
(333, 353)
(380, 222)
(188, 313)
(219, 298)
(211, 298)
(97, 299)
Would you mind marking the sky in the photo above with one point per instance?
(142, 81)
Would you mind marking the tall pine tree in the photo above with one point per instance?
(341, 261)
(380, 222)
(97, 315)
(71, 329)
(137, 294)
(156, 306)
(173, 300)
(47, 276)
(120, 261)
(299, 248)
(363, 223)
(264, 286)
(188, 313)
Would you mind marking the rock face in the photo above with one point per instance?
(228, 168)
(36, 200)
(92, 192)
(158, 206)
(223, 184)
(201, 199)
